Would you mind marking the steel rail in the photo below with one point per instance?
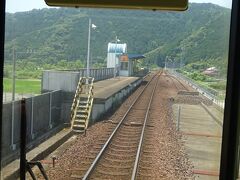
(174, 84)
(91, 168)
(135, 169)
(173, 77)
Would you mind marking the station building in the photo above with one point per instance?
(125, 64)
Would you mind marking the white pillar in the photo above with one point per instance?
(88, 53)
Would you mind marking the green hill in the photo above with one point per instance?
(199, 34)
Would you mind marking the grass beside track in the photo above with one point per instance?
(23, 86)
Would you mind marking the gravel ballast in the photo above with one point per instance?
(163, 154)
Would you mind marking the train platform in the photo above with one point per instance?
(202, 132)
(107, 88)
(109, 94)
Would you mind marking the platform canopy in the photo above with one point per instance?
(136, 56)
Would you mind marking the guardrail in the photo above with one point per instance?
(213, 97)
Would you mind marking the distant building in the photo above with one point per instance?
(128, 64)
(212, 71)
(114, 51)
(125, 63)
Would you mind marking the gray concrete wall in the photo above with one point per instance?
(43, 113)
(67, 80)
(67, 100)
(59, 80)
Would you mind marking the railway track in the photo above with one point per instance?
(160, 155)
(177, 83)
(119, 157)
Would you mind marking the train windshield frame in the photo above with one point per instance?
(230, 141)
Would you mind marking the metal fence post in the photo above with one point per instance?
(13, 146)
(178, 117)
(105, 74)
(32, 118)
(50, 110)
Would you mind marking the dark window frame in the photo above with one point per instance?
(229, 155)
(230, 138)
(2, 38)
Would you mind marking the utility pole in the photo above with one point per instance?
(90, 25)
(88, 53)
(115, 57)
(14, 59)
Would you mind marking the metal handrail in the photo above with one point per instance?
(76, 97)
(90, 98)
(76, 100)
(210, 95)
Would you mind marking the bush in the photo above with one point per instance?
(197, 76)
(219, 85)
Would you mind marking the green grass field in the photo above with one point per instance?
(23, 86)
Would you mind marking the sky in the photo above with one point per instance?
(13, 6)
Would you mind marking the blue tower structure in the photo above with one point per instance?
(115, 50)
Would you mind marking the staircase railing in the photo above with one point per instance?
(76, 96)
(82, 105)
(90, 101)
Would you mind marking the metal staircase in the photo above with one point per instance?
(82, 105)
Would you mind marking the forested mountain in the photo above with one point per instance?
(200, 33)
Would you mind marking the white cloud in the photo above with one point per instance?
(224, 3)
(24, 5)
